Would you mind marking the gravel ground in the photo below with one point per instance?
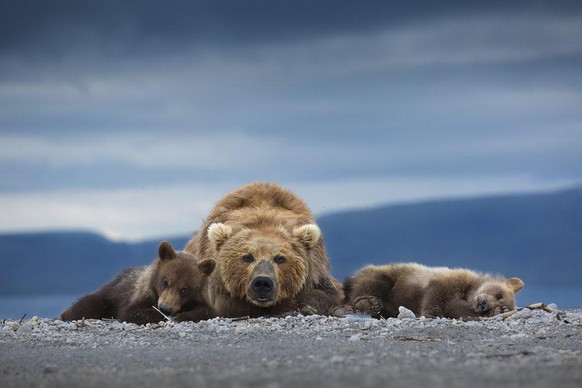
(533, 347)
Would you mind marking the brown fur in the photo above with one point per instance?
(431, 291)
(262, 231)
(174, 283)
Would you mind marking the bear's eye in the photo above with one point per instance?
(499, 296)
(279, 259)
(183, 290)
(165, 283)
(248, 258)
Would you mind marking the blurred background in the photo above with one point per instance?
(448, 133)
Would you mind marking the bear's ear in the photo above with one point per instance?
(308, 235)
(165, 251)
(218, 233)
(206, 266)
(515, 284)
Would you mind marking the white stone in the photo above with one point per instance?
(355, 337)
(405, 313)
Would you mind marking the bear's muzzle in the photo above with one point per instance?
(262, 289)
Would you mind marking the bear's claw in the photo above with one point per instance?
(368, 304)
(501, 310)
(308, 310)
(342, 311)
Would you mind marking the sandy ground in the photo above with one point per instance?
(534, 348)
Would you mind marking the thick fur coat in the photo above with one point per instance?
(270, 255)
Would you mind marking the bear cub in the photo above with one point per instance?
(174, 282)
(427, 291)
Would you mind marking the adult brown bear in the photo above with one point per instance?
(269, 252)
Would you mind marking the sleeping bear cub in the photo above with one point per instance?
(174, 282)
(427, 291)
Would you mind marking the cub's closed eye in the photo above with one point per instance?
(248, 258)
(498, 296)
(279, 259)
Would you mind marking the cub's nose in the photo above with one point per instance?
(483, 305)
(165, 309)
(262, 285)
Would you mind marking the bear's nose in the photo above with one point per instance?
(262, 285)
(483, 305)
(165, 309)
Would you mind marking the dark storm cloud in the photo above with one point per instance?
(307, 89)
(119, 28)
(109, 108)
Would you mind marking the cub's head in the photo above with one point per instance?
(263, 266)
(179, 279)
(496, 293)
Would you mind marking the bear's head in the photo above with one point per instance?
(496, 293)
(263, 266)
(178, 279)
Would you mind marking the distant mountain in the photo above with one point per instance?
(536, 237)
(67, 262)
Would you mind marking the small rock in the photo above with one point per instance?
(337, 359)
(355, 337)
(49, 369)
(405, 313)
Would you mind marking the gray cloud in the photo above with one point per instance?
(132, 96)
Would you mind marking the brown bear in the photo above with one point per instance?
(174, 283)
(427, 291)
(270, 255)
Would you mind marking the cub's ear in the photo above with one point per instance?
(515, 284)
(206, 266)
(165, 251)
(218, 233)
(308, 235)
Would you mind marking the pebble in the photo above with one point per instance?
(354, 328)
(337, 359)
(355, 337)
(405, 313)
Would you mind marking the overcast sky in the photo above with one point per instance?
(132, 118)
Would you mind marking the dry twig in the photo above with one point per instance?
(165, 316)
(414, 338)
(246, 317)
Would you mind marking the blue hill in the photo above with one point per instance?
(537, 237)
(67, 262)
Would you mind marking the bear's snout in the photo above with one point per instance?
(262, 286)
(169, 302)
(166, 310)
(482, 305)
